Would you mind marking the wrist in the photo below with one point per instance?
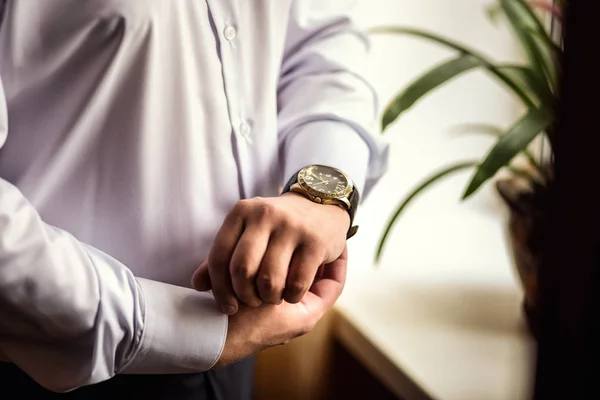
(326, 186)
(337, 212)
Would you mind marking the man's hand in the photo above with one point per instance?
(269, 250)
(255, 329)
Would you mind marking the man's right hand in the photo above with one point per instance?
(253, 329)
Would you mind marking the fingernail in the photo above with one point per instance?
(229, 310)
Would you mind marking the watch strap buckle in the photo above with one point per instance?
(352, 231)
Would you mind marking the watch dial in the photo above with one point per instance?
(325, 180)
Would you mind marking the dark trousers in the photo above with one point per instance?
(233, 382)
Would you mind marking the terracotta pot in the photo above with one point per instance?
(527, 205)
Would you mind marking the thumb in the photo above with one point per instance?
(328, 288)
(201, 278)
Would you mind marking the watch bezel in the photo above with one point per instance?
(324, 195)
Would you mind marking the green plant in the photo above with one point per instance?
(534, 83)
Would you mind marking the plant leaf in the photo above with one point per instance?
(519, 27)
(493, 12)
(532, 81)
(461, 49)
(479, 128)
(552, 45)
(514, 141)
(554, 51)
(498, 132)
(420, 187)
(521, 17)
(425, 84)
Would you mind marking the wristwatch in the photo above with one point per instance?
(326, 185)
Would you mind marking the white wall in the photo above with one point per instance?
(438, 237)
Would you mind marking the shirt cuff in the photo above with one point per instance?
(331, 143)
(184, 332)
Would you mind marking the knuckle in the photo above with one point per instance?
(316, 254)
(265, 211)
(270, 292)
(242, 207)
(241, 271)
(311, 239)
(296, 287)
(266, 283)
(291, 224)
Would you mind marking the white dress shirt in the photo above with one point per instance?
(128, 129)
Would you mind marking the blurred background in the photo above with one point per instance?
(437, 235)
(442, 312)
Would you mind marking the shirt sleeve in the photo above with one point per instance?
(71, 315)
(327, 107)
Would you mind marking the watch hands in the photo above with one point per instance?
(321, 179)
(318, 183)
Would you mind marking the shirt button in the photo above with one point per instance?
(245, 129)
(229, 32)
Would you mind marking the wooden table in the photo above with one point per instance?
(422, 340)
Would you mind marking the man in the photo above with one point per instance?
(131, 130)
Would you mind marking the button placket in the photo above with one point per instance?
(224, 15)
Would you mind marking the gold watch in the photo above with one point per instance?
(326, 185)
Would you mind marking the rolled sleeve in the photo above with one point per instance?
(353, 160)
(328, 108)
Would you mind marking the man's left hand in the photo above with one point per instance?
(270, 249)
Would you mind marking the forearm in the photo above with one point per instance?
(74, 316)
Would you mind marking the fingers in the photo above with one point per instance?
(329, 288)
(318, 275)
(302, 271)
(273, 272)
(271, 325)
(219, 260)
(201, 278)
(267, 251)
(323, 293)
(245, 263)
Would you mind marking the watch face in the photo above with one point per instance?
(324, 181)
